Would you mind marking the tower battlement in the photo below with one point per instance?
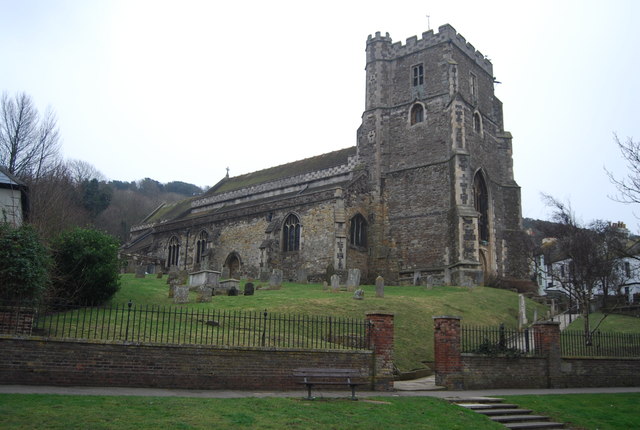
(386, 49)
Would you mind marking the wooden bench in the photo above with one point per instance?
(315, 376)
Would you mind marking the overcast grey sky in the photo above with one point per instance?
(180, 90)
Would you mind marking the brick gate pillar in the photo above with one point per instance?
(447, 355)
(546, 337)
(381, 336)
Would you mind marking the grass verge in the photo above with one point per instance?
(586, 411)
(29, 411)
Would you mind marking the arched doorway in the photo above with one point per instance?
(233, 264)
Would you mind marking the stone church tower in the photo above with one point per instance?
(426, 197)
(444, 200)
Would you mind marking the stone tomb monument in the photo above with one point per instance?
(226, 286)
(204, 277)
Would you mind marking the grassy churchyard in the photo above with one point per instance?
(413, 308)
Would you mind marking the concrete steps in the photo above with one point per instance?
(509, 415)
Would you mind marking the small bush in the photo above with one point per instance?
(24, 264)
(86, 267)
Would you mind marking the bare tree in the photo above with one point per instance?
(82, 171)
(29, 144)
(587, 258)
(629, 185)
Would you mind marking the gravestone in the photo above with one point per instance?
(379, 286)
(204, 294)
(172, 290)
(522, 311)
(275, 281)
(181, 294)
(325, 286)
(335, 283)
(417, 278)
(226, 286)
(301, 276)
(141, 271)
(248, 289)
(159, 275)
(358, 294)
(353, 279)
(430, 281)
(233, 291)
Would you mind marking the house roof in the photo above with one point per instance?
(7, 179)
(300, 167)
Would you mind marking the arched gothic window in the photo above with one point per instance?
(481, 204)
(201, 245)
(291, 234)
(417, 113)
(477, 123)
(358, 234)
(173, 252)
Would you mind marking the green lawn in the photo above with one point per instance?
(104, 412)
(413, 308)
(586, 411)
(611, 323)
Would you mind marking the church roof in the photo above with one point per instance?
(300, 167)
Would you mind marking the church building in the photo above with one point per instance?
(427, 195)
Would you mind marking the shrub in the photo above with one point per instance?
(86, 267)
(24, 264)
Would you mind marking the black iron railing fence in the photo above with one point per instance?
(497, 340)
(188, 326)
(599, 344)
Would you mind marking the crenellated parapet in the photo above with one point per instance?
(381, 47)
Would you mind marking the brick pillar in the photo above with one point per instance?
(447, 355)
(546, 337)
(381, 336)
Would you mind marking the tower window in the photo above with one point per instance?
(418, 75)
(358, 236)
(473, 87)
(417, 113)
(481, 204)
(477, 123)
(291, 234)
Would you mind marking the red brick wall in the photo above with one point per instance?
(381, 335)
(39, 362)
(471, 371)
(15, 320)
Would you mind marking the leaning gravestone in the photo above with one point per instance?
(181, 294)
(248, 289)
(204, 294)
(335, 283)
(379, 286)
(275, 281)
(522, 311)
(353, 279)
(141, 271)
(358, 294)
